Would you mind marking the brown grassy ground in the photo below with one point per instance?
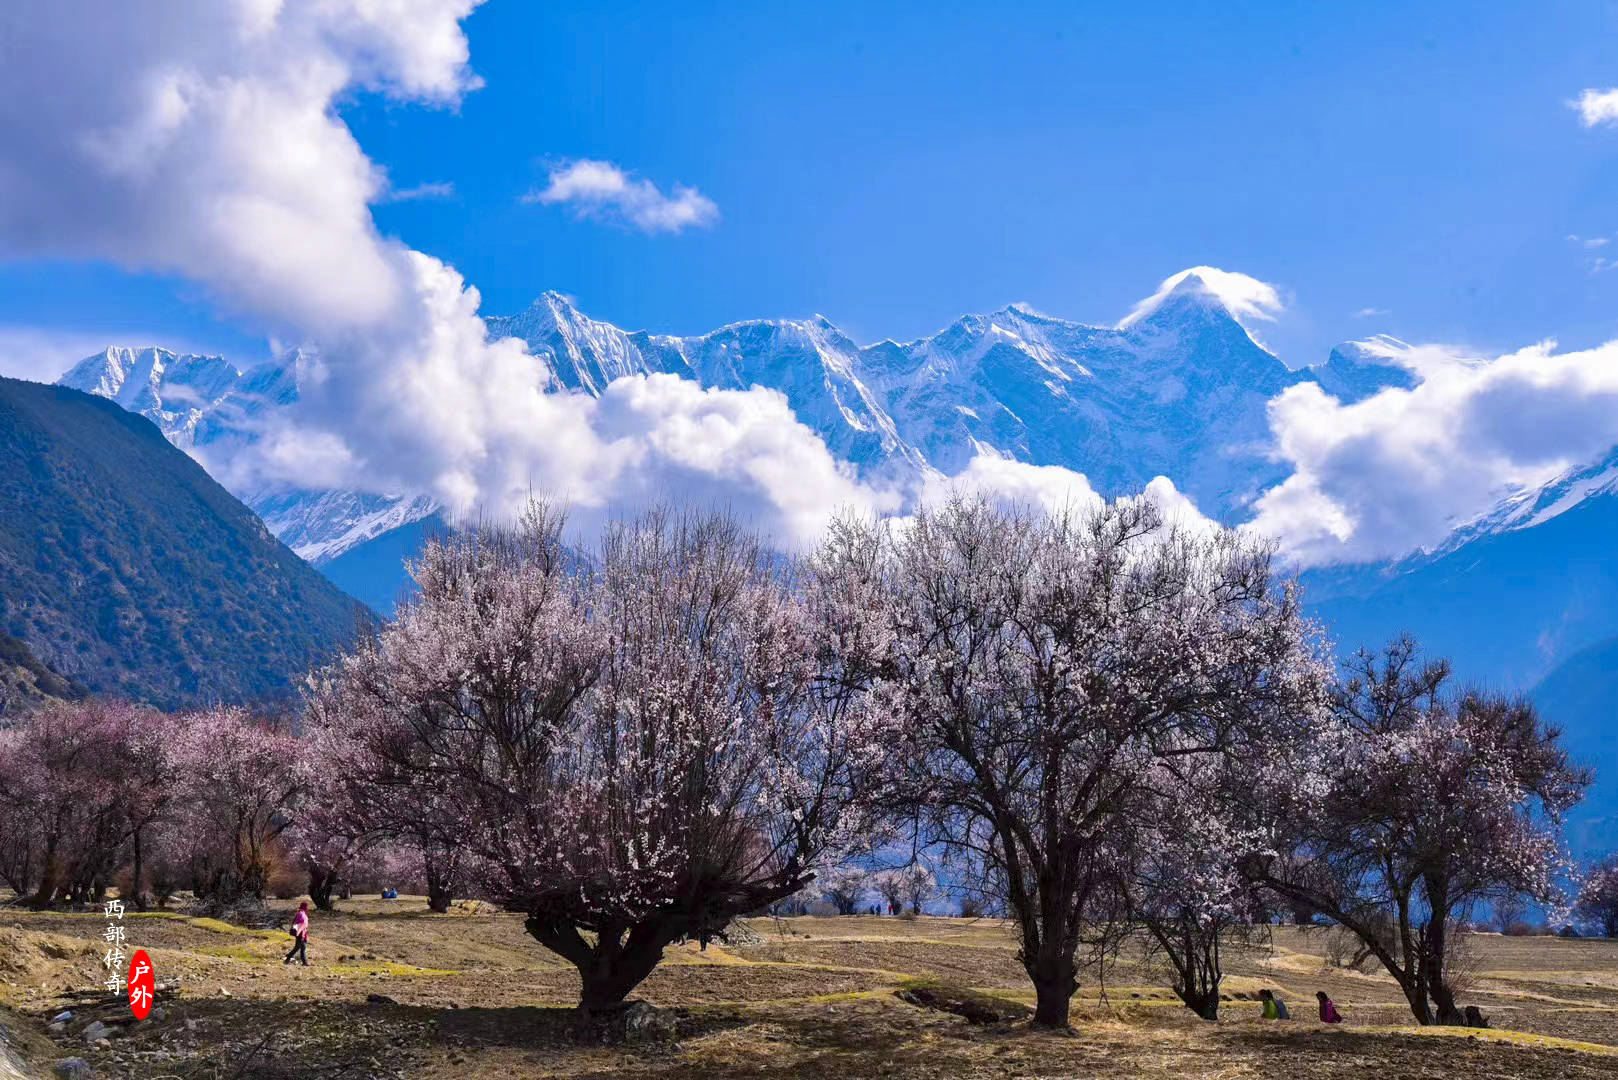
(473, 996)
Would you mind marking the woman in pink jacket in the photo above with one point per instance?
(300, 936)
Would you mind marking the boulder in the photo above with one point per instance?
(96, 1032)
(74, 1068)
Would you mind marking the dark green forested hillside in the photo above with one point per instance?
(125, 570)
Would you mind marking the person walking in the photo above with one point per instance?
(300, 936)
(1328, 1010)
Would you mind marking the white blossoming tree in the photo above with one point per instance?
(1598, 897)
(1415, 804)
(1047, 665)
(631, 748)
(1180, 884)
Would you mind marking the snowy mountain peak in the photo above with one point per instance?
(1182, 392)
(170, 389)
(1205, 294)
(1356, 370)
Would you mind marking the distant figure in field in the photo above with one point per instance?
(1274, 1007)
(1474, 1018)
(1328, 1011)
(300, 936)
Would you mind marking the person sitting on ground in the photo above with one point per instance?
(300, 936)
(1274, 1007)
(1475, 1018)
(1328, 1010)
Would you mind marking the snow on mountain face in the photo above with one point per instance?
(1356, 370)
(1179, 389)
(811, 362)
(202, 401)
(173, 390)
(1180, 392)
(1537, 505)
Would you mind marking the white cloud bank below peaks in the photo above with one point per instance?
(1398, 471)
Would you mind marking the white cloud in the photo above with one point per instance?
(1399, 470)
(1370, 312)
(1053, 489)
(600, 189)
(1245, 297)
(1050, 488)
(436, 189)
(1597, 107)
(202, 138)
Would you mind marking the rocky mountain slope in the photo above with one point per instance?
(125, 569)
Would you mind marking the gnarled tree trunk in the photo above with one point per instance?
(619, 961)
(322, 883)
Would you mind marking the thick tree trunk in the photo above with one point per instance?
(1444, 1003)
(135, 873)
(440, 881)
(42, 895)
(1055, 982)
(1416, 995)
(1435, 954)
(1205, 1004)
(608, 981)
(618, 961)
(322, 883)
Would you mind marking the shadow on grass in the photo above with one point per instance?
(1323, 1052)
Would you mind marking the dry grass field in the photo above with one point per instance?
(394, 991)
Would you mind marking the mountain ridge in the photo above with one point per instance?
(1108, 401)
(126, 570)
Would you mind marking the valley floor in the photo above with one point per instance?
(468, 994)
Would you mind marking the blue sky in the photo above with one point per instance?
(895, 166)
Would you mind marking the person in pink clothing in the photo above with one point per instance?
(300, 936)
(1328, 1010)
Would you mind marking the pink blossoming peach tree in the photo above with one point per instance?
(631, 744)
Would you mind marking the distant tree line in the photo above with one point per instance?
(1105, 727)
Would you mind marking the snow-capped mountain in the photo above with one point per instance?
(173, 390)
(812, 362)
(1355, 370)
(1536, 505)
(1180, 389)
(203, 403)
